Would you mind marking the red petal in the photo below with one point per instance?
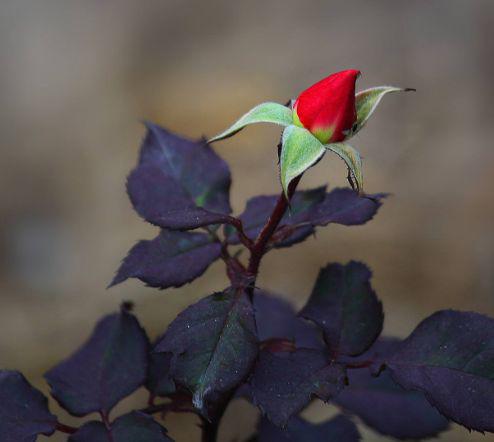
(327, 108)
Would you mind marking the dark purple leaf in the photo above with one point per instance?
(259, 208)
(108, 367)
(338, 429)
(172, 259)
(340, 206)
(23, 410)
(287, 235)
(276, 319)
(308, 209)
(388, 408)
(345, 206)
(179, 183)
(93, 431)
(213, 343)
(138, 427)
(282, 383)
(132, 427)
(346, 307)
(383, 347)
(159, 381)
(450, 358)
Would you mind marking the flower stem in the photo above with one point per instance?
(259, 247)
(257, 250)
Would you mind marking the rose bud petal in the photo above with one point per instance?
(327, 108)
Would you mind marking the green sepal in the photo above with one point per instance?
(366, 103)
(300, 150)
(262, 113)
(353, 161)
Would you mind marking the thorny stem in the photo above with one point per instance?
(237, 273)
(240, 277)
(246, 278)
(259, 247)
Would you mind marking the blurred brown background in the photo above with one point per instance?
(78, 76)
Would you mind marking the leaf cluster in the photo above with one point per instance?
(246, 342)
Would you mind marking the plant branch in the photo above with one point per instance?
(259, 247)
(180, 403)
(237, 224)
(106, 419)
(242, 277)
(361, 364)
(236, 271)
(67, 429)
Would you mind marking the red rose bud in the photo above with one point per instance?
(327, 108)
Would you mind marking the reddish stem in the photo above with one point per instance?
(180, 403)
(67, 429)
(259, 247)
(275, 345)
(244, 239)
(105, 417)
(361, 364)
(242, 277)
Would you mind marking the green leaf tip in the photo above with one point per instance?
(300, 150)
(263, 113)
(352, 159)
(367, 101)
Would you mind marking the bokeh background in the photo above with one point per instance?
(78, 77)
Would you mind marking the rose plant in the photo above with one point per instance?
(245, 342)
